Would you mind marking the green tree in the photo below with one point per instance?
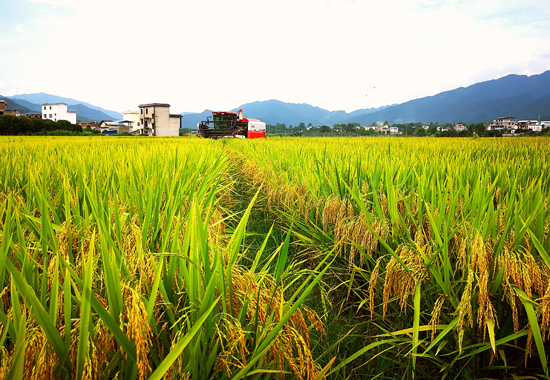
(13, 125)
(8, 125)
(324, 129)
(350, 127)
(421, 132)
(479, 128)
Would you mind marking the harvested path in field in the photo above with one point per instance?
(260, 221)
(345, 334)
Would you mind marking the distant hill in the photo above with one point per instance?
(82, 112)
(86, 113)
(275, 111)
(40, 98)
(11, 105)
(521, 96)
(533, 109)
(190, 119)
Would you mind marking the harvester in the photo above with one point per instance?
(231, 124)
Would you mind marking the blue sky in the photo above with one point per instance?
(335, 54)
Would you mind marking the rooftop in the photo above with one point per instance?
(154, 105)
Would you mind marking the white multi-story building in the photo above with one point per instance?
(133, 116)
(58, 111)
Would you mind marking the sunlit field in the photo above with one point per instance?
(303, 258)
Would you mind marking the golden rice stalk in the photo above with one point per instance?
(529, 347)
(372, 285)
(139, 331)
(401, 282)
(291, 348)
(436, 314)
(103, 348)
(465, 315)
(5, 362)
(216, 228)
(481, 258)
(545, 312)
(232, 340)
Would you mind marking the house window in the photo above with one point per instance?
(50, 116)
(44, 108)
(50, 107)
(146, 110)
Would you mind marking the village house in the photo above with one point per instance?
(156, 120)
(110, 127)
(394, 130)
(31, 115)
(5, 111)
(507, 122)
(460, 127)
(58, 111)
(533, 125)
(91, 124)
(526, 124)
(536, 127)
(133, 116)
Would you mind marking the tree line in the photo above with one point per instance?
(435, 129)
(13, 125)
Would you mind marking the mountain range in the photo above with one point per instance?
(274, 111)
(84, 111)
(11, 105)
(520, 96)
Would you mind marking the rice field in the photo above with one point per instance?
(304, 258)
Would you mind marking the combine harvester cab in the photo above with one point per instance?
(231, 125)
(256, 129)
